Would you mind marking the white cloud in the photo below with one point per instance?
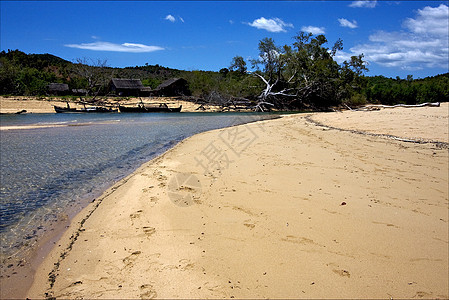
(106, 46)
(423, 43)
(430, 20)
(347, 23)
(271, 25)
(170, 18)
(364, 3)
(313, 29)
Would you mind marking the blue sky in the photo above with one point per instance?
(397, 37)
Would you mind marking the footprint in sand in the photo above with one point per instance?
(128, 261)
(342, 273)
(185, 264)
(162, 178)
(148, 189)
(298, 240)
(149, 231)
(249, 224)
(387, 224)
(135, 215)
(421, 294)
(246, 211)
(147, 291)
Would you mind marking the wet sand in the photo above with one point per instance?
(276, 209)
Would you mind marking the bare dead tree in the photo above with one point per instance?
(95, 74)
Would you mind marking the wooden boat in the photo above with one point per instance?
(149, 109)
(97, 109)
(67, 109)
(94, 109)
(23, 111)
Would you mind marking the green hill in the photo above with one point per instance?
(29, 74)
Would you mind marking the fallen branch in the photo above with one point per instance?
(438, 144)
(435, 104)
(260, 106)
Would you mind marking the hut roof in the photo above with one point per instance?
(122, 83)
(168, 82)
(58, 87)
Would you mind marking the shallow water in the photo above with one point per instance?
(50, 171)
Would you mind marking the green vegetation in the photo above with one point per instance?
(298, 76)
(306, 75)
(407, 91)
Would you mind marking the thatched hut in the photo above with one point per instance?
(172, 87)
(58, 89)
(127, 87)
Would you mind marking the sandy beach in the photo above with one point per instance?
(33, 104)
(286, 208)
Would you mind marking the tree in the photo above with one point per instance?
(238, 64)
(93, 73)
(8, 77)
(305, 74)
(224, 72)
(269, 58)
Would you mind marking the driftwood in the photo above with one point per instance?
(201, 107)
(374, 106)
(261, 106)
(437, 144)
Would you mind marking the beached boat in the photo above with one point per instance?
(97, 109)
(94, 109)
(149, 109)
(15, 113)
(67, 109)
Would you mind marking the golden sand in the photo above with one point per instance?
(31, 104)
(275, 209)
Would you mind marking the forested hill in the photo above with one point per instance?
(29, 74)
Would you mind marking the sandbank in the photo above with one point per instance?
(274, 209)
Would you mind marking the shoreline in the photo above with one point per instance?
(215, 218)
(17, 279)
(68, 234)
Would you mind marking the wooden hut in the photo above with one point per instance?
(58, 89)
(127, 87)
(172, 87)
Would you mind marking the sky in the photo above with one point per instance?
(397, 38)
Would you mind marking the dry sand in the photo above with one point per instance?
(285, 208)
(31, 104)
(425, 123)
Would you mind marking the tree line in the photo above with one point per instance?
(390, 91)
(303, 75)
